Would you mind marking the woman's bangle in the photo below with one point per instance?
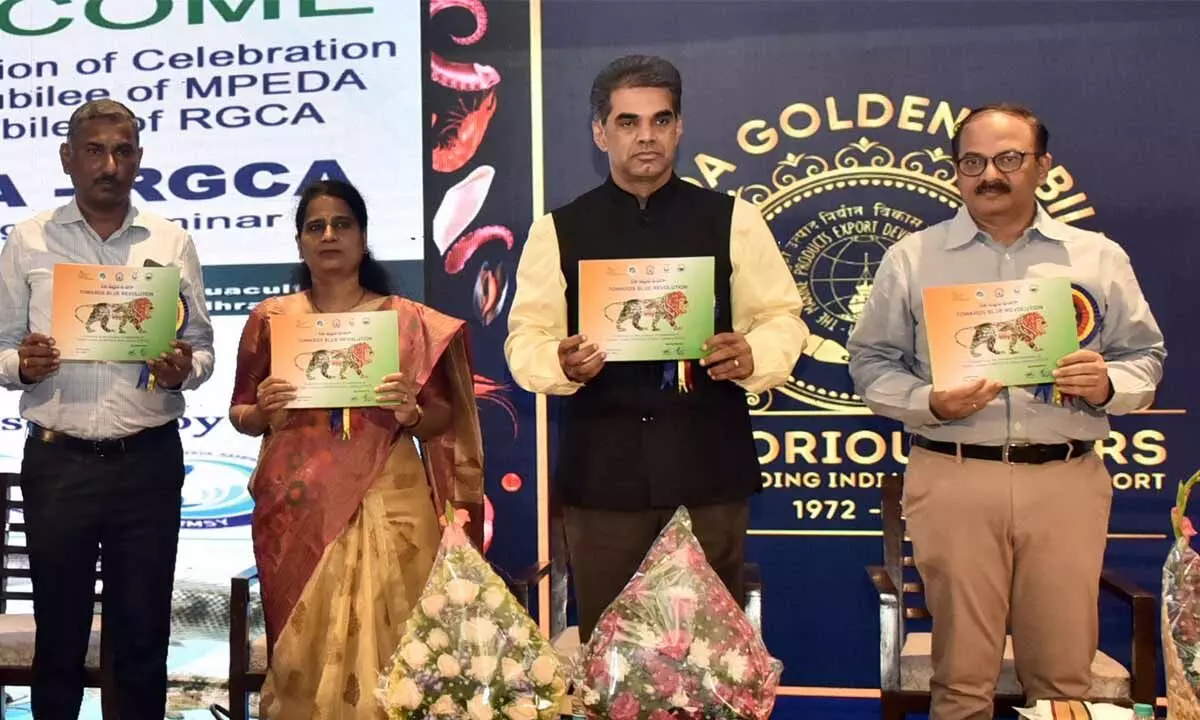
(420, 417)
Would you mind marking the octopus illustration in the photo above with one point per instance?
(462, 135)
(463, 76)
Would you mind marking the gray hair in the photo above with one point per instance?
(103, 108)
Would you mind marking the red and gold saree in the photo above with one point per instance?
(345, 529)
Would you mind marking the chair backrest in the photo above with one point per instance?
(15, 578)
(897, 551)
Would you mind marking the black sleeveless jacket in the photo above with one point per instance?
(629, 440)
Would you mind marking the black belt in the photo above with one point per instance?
(1023, 454)
(118, 446)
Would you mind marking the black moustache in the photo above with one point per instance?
(986, 187)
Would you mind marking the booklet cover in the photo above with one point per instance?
(113, 313)
(647, 308)
(335, 360)
(1013, 332)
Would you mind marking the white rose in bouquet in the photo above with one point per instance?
(437, 639)
(493, 597)
(415, 653)
(445, 705)
(483, 668)
(522, 709)
(544, 669)
(406, 694)
(448, 666)
(478, 631)
(511, 670)
(479, 709)
(432, 605)
(461, 591)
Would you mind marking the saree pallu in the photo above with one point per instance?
(345, 529)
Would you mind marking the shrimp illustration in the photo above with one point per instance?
(460, 139)
(491, 391)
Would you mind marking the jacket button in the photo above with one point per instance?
(647, 418)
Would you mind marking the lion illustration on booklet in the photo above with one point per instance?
(355, 358)
(134, 311)
(668, 307)
(1026, 328)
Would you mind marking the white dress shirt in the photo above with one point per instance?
(95, 400)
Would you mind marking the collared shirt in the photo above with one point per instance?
(94, 400)
(889, 355)
(766, 306)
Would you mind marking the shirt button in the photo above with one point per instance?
(647, 418)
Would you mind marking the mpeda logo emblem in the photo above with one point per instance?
(834, 219)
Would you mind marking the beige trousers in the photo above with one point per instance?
(998, 544)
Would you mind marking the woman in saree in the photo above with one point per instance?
(346, 517)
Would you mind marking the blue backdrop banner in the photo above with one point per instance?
(834, 118)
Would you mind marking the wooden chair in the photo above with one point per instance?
(17, 629)
(905, 664)
(249, 655)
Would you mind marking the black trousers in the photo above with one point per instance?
(128, 503)
(606, 547)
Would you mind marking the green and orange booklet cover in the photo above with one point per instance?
(113, 313)
(1013, 332)
(335, 360)
(647, 308)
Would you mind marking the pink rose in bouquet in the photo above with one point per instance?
(675, 644)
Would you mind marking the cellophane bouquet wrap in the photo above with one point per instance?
(469, 649)
(1181, 614)
(675, 644)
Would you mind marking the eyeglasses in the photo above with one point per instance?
(1009, 161)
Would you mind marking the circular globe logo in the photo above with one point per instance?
(842, 275)
(835, 221)
(215, 492)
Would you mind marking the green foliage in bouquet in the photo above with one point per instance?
(469, 649)
(675, 644)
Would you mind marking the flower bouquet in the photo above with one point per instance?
(469, 649)
(675, 644)
(1181, 614)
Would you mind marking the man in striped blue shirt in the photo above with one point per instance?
(103, 463)
(1006, 502)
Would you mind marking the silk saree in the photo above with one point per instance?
(346, 519)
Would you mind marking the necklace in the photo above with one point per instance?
(356, 303)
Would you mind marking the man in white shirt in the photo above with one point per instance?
(103, 463)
